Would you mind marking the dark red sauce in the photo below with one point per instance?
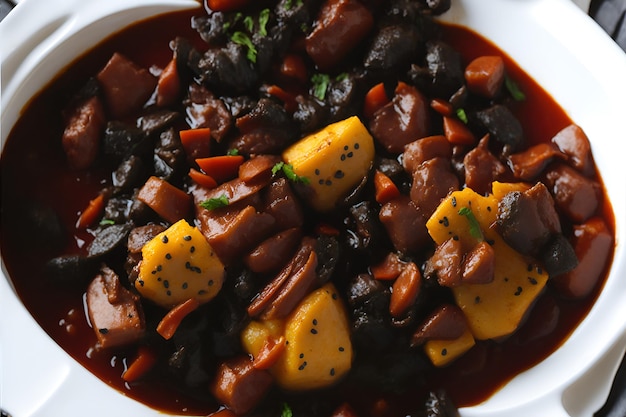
(33, 169)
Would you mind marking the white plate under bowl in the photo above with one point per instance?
(552, 40)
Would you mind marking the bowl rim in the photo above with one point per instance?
(28, 53)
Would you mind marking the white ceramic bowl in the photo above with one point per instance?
(557, 44)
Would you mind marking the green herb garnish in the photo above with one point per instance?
(264, 17)
(233, 152)
(474, 226)
(514, 89)
(241, 38)
(215, 202)
(289, 173)
(286, 412)
(460, 113)
(320, 85)
(289, 4)
(106, 222)
(248, 22)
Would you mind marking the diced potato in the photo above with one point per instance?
(334, 160)
(318, 350)
(500, 189)
(442, 352)
(179, 264)
(495, 309)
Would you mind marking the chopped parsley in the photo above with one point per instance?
(241, 38)
(248, 22)
(215, 202)
(290, 3)
(514, 90)
(474, 226)
(286, 412)
(106, 222)
(264, 17)
(320, 85)
(233, 152)
(289, 173)
(460, 113)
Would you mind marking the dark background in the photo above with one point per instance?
(611, 16)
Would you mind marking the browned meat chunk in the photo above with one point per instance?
(527, 220)
(446, 264)
(239, 385)
(433, 180)
(270, 255)
(479, 264)
(81, 137)
(423, 149)
(577, 196)
(203, 109)
(482, 168)
(115, 313)
(530, 163)
(281, 202)
(573, 142)
(445, 322)
(405, 224)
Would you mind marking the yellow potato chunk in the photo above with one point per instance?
(495, 309)
(334, 160)
(442, 352)
(179, 264)
(257, 333)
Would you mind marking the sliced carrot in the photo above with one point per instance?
(202, 179)
(222, 167)
(168, 325)
(91, 213)
(405, 290)
(226, 5)
(143, 362)
(196, 143)
(269, 353)
(385, 189)
(375, 98)
(389, 268)
(293, 66)
(285, 96)
(442, 107)
(168, 86)
(456, 132)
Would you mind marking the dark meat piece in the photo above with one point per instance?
(211, 27)
(83, 132)
(267, 129)
(530, 163)
(226, 70)
(402, 120)
(369, 230)
(575, 195)
(481, 168)
(479, 264)
(71, 269)
(558, 256)
(205, 110)
(270, 255)
(573, 142)
(121, 140)
(157, 121)
(125, 85)
(390, 167)
(446, 322)
(343, 96)
(282, 204)
(443, 74)
(433, 180)
(294, 13)
(108, 239)
(141, 235)
(405, 225)
(310, 114)
(117, 209)
(131, 173)
(392, 49)
(446, 263)
(503, 126)
(239, 385)
(528, 220)
(423, 149)
(328, 252)
(369, 300)
(169, 156)
(114, 312)
(340, 26)
(594, 246)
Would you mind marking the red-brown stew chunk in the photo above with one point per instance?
(574, 194)
(485, 75)
(83, 132)
(573, 142)
(421, 150)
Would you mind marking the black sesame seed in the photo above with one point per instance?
(343, 157)
(169, 292)
(529, 267)
(154, 272)
(339, 174)
(314, 331)
(455, 237)
(301, 355)
(532, 280)
(210, 283)
(477, 300)
(103, 330)
(357, 146)
(345, 148)
(334, 296)
(329, 182)
(301, 367)
(453, 201)
(187, 238)
(159, 268)
(159, 279)
(168, 256)
(317, 171)
(185, 285)
(201, 292)
(321, 182)
(164, 239)
(506, 279)
(314, 322)
(488, 208)
(341, 349)
(490, 242)
(445, 221)
(444, 352)
(350, 155)
(140, 281)
(192, 249)
(332, 371)
(539, 270)
(518, 292)
(166, 283)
